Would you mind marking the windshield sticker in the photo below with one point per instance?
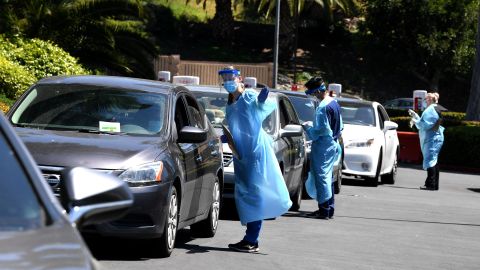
(109, 126)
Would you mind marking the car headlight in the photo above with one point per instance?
(143, 175)
(359, 143)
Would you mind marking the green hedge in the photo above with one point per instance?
(14, 79)
(462, 139)
(24, 61)
(43, 58)
(461, 146)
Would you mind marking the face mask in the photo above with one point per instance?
(424, 103)
(230, 86)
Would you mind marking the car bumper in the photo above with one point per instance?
(359, 162)
(145, 219)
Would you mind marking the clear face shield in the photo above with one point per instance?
(227, 78)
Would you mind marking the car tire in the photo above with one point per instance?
(297, 198)
(208, 227)
(373, 181)
(167, 241)
(390, 177)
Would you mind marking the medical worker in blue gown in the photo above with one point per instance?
(326, 151)
(260, 190)
(431, 138)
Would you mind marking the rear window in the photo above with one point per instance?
(91, 108)
(357, 114)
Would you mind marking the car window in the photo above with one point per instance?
(292, 116)
(305, 108)
(357, 113)
(196, 119)
(384, 113)
(381, 118)
(181, 115)
(92, 108)
(215, 105)
(20, 208)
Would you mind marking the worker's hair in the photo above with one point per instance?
(434, 96)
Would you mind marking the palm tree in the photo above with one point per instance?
(473, 110)
(290, 10)
(104, 34)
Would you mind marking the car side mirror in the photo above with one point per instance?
(389, 125)
(291, 130)
(190, 134)
(92, 197)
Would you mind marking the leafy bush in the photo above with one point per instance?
(41, 58)
(462, 139)
(22, 62)
(14, 79)
(461, 146)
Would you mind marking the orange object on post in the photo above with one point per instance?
(410, 151)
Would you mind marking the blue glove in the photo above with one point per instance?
(263, 95)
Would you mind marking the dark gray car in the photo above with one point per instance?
(34, 231)
(284, 127)
(152, 135)
(305, 107)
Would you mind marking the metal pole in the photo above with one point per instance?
(275, 46)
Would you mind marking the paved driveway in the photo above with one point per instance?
(388, 227)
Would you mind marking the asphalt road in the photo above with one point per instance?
(388, 227)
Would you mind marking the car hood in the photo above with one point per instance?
(98, 151)
(357, 132)
(53, 247)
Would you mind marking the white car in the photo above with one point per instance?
(370, 141)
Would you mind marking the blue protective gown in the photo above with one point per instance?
(431, 138)
(325, 152)
(260, 190)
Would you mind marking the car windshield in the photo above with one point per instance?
(357, 113)
(215, 105)
(305, 108)
(86, 108)
(20, 208)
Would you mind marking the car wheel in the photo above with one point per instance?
(390, 177)
(373, 181)
(167, 241)
(297, 198)
(208, 227)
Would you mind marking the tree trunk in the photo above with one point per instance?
(286, 40)
(473, 108)
(222, 22)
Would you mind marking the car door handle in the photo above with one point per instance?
(198, 158)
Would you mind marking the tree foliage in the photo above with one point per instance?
(429, 38)
(24, 61)
(103, 34)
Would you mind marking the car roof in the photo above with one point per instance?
(217, 89)
(110, 81)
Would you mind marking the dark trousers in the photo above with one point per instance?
(253, 231)
(327, 208)
(433, 177)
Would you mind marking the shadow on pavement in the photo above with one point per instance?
(113, 249)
